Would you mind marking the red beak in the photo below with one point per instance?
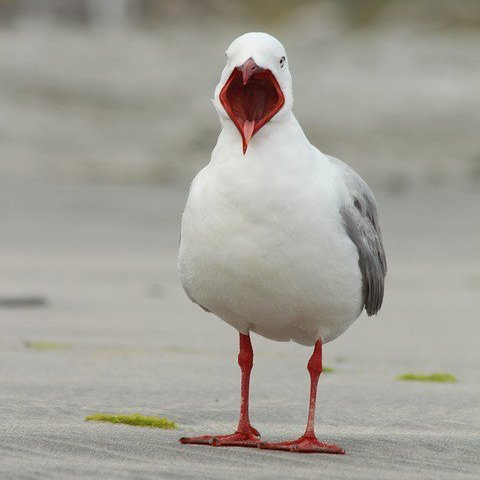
(248, 69)
(251, 97)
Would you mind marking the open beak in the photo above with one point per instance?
(251, 97)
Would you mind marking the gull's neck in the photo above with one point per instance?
(274, 140)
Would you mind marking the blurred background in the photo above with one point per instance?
(105, 117)
(119, 90)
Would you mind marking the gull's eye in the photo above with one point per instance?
(282, 62)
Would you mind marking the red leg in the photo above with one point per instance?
(308, 442)
(245, 435)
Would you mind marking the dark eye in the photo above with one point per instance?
(282, 62)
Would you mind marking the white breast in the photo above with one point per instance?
(263, 247)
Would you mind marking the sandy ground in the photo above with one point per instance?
(103, 260)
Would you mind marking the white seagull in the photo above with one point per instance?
(277, 238)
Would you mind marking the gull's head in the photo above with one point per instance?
(256, 86)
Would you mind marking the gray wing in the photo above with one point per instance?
(359, 214)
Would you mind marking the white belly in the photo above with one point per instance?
(268, 264)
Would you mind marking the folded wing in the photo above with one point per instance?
(359, 214)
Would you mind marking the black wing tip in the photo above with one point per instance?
(372, 308)
(372, 312)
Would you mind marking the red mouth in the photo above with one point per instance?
(251, 97)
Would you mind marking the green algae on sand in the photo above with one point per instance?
(135, 419)
(434, 377)
(45, 345)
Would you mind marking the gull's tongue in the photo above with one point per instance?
(248, 127)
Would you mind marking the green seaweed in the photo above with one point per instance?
(135, 419)
(45, 345)
(327, 370)
(434, 377)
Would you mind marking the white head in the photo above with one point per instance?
(256, 86)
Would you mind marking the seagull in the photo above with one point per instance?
(277, 238)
